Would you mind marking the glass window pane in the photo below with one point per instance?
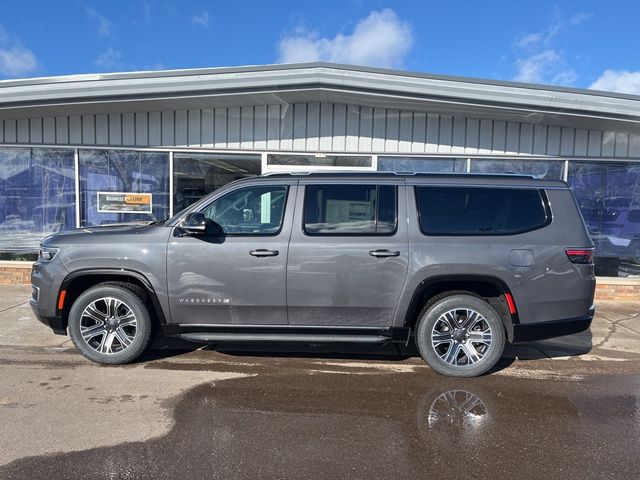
(608, 194)
(326, 161)
(350, 209)
(421, 165)
(196, 175)
(124, 172)
(479, 211)
(254, 210)
(550, 169)
(37, 196)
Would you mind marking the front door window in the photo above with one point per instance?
(256, 210)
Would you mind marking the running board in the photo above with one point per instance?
(283, 338)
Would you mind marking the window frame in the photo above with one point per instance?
(287, 188)
(350, 234)
(541, 191)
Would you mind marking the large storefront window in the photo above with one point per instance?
(549, 169)
(195, 175)
(608, 194)
(422, 165)
(37, 196)
(119, 186)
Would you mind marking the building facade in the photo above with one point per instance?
(88, 150)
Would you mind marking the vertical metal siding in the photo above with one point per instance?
(102, 129)
(128, 129)
(352, 128)
(313, 127)
(89, 129)
(35, 127)
(155, 129)
(49, 130)
(115, 129)
(379, 129)
(320, 127)
(75, 129)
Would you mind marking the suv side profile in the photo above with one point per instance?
(458, 264)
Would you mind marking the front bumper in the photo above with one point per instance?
(55, 323)
(529, 332)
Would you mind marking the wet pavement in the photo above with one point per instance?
(563, 409)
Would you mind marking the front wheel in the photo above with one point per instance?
(460, 335)
(110, 323)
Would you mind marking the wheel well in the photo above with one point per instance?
(492, 290)
(81, 283)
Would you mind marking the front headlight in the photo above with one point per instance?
(46, 254)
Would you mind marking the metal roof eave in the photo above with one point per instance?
(77, 89)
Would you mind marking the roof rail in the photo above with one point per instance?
(323, 173)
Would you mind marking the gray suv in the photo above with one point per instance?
(458, 264)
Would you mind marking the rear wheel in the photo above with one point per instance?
(460, 335)
(110, 323)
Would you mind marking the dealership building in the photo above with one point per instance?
(74, 149)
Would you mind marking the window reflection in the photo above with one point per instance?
(195, 175)
(319, 161)
(37, 196)
(549, 169)
(422, 165)
(608, 194)
(127, 172)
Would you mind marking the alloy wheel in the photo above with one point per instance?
(108, 325)
(461, 337)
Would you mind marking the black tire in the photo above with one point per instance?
(461, 340)
(132, 297)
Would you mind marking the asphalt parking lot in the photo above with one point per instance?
(567, 408)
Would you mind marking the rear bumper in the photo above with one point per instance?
(55, 323)
(539, 331)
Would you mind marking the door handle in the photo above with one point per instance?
(263, 252)
(383, 252)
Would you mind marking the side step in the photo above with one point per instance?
(282, 338)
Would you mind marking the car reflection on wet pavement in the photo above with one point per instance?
(292, 417)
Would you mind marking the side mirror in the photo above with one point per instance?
(197, 224)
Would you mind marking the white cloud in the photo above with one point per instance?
(547, 66)
(579, 18)
(16, 61)
(109, 59)
(103, 25)
(381, 39)
(529, 39)
(201, 20)
(538, 60)
(621, 81)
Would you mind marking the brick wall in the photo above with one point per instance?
(614, 289)
(15, 273)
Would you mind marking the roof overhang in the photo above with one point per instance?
(317, 82)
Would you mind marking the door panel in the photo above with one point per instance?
(239, 278)
(347, 279)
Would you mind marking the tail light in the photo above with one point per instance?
(580, 255)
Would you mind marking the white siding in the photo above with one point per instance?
(320, 127)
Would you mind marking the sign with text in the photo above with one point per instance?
(123, 202)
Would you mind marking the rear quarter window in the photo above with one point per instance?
(481, 211)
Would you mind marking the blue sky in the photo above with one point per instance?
(574, 43)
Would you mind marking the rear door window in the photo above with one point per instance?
(481, 211)
(350, 210)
